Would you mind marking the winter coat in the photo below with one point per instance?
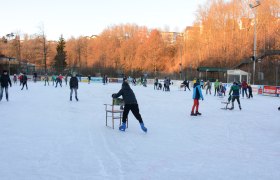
(197, 94)
(235, 90)
(249, 89)
(244, 85)
(216, 84)
(5, 80)
(186, 83)
(24, 78)
(127, 94)
(74, 83)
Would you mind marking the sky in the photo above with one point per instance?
(91, 17)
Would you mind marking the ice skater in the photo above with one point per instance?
(197, 94)
(74, 85)
(59, 80)
(5, 81)
(235, 95)
(185, 84)
(89, 78)
(130, 103)
(46, 78)
(53, 79)
(250, 91)
(208, 86)
(15, 79)
(244, 86)
(24, 81)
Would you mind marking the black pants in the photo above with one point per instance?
(250, 94)
(237, 98)
(135, 110)
(60, 83)
(24, 84)
(187, 86)
(2, 91)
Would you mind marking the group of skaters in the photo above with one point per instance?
(166, 84)
(234, 94)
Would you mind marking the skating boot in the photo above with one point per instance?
(122, 127)
(193, 114)
(70, 98)
(240, 107)
(76, 98)
(198, 113)
(143, 127)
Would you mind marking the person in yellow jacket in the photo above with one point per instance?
(216, 86)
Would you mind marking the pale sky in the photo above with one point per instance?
(89, 17)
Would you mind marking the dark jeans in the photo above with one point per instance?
(60, 83)
(250, 94)
(2, 91)
(244, 90)
(233, 99)
(24, 84)
(71, 92)
(135, 110)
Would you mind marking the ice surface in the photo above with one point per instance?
(44, 136)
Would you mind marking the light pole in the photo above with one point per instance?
(255, 37)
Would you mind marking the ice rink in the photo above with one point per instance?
(44, 136)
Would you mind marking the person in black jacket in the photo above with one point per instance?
(186, 84)
(5, 81)
(24, 81)
(74, 85)
(130, 103)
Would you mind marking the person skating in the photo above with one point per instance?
(66, 79)
(74, 85)
(130, 103)
(156, 84)
(15, 79)
(244, 86)
(250, 91)
(35, 77)
(216, 86)
(53, 79)
(20, 79)
(197, 94)
(59, 80)
(5, 81)
(235, 95)
(46, 78)
(24, 81)
(89, 78)
(208, 86)
(186, 84)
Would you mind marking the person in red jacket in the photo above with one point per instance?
(244, 87)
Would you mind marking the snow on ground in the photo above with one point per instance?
(45, 136)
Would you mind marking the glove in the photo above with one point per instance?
(202, 99)
(113, 95)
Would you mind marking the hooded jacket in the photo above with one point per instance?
(127, 94)
(74, 83)
(5, 80)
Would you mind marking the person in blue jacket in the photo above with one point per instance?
(197, 95)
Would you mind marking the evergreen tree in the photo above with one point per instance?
(60, 57)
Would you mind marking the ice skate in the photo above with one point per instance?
(143, 127)
(122, 127)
